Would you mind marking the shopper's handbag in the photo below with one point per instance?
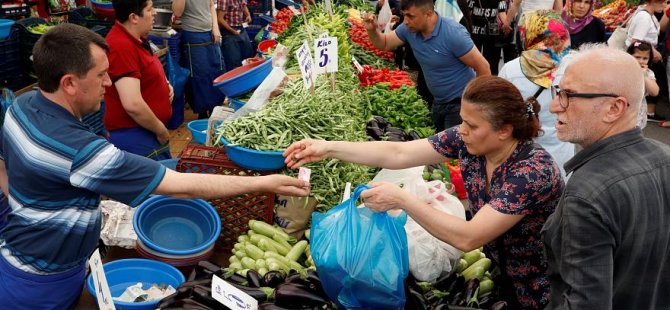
(361, 255)
(618, 37)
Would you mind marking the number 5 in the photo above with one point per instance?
(324, 58)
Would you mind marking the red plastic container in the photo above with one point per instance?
(265, 45)
(235, 212)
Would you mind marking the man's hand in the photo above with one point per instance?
(216, 35)
(171, 92)
(656, 55)
(369, 21)
(285, 185)
(163, 136)
(304, 152)
(248, 19)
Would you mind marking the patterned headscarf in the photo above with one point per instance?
(576, 25)
(545, 41)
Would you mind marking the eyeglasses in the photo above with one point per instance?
(564, 96)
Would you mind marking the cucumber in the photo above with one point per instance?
(476, 272)
(248, 263)
(472, 256)
(253, 251)
(297, 250)
(484, 263)
(485, 286)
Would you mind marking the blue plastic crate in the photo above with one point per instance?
(173, 44)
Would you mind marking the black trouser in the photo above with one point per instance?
(446, 115)
(487, 46)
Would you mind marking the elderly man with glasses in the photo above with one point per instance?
(608, 243)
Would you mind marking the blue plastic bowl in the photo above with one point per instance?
(236, 104)
(252, 159)
(103, 5)
(5, 28)
(243, 79)
(198, 130)
(177, 226)
(123, 273)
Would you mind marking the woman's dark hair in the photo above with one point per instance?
(123, 8)
(640, 46)
(502, 103)
(64, 49)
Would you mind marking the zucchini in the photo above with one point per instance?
(484, 263)
(248, 263)
(278, 247)
(269, 230)
(297, 250)
(253, 251)
(472, 256)
(485, 286)
(473, 272)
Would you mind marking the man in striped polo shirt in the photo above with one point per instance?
(56, 170)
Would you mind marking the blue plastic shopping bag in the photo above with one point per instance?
(361, 256)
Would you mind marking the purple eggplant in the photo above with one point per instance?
(501, 305)
(203, 295)
(273, 278)
(293, 296)
(270, 306)
(254, 279)
(471, 291)
(259, 293)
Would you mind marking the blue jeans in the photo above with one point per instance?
(447, 114)
(235, 48)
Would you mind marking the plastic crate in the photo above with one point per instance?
(27, 40)
(86, 17)
(173, 44)
(235, 212)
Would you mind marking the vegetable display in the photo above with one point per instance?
(614, 14)
(359, 36)
(393, 78)
(282, 20)
(402, 107)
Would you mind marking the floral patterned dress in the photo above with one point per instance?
(529, 186)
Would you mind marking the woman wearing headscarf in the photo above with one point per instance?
(545, 41)
(582, 25)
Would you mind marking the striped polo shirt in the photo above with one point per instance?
(57, 171)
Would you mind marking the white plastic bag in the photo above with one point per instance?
(117, 228)
(429, 257)
(384, 18)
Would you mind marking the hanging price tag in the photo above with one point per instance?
(102, 293)
(358, 66)
(231, 296)
(304, 56)
(325, 51)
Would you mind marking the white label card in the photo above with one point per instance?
(100, 282)
(245, 25)
(325, 51)
(231, 296)
(357, 64)
(304, 56)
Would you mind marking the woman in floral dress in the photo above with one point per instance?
(513, 185)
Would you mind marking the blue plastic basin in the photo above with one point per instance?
(236, 104)
(177, 226)
(123, 273)
(253, 159)
(5, 28)
(243, 79)
(103, 5)
(198, 130)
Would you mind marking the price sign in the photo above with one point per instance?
(102, 293)
(231, 296)
(325, 50)
(305, 61)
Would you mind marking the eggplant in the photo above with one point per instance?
(501, 305)
(412, 135)
(374, 133)
(296, 279)
(203, 295)
(258, 293)
(254, 279)
(193, 275)
(486, 301)
(191, 284)
(456, 286)
(273, 278)
(418, 302)
(381, 122)
(209, 266)
(270, 306)
(444, 282)
(471, 291)
(441, 307)
(190, 304)
(457, 299)
(296, 295)
(236, 278)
